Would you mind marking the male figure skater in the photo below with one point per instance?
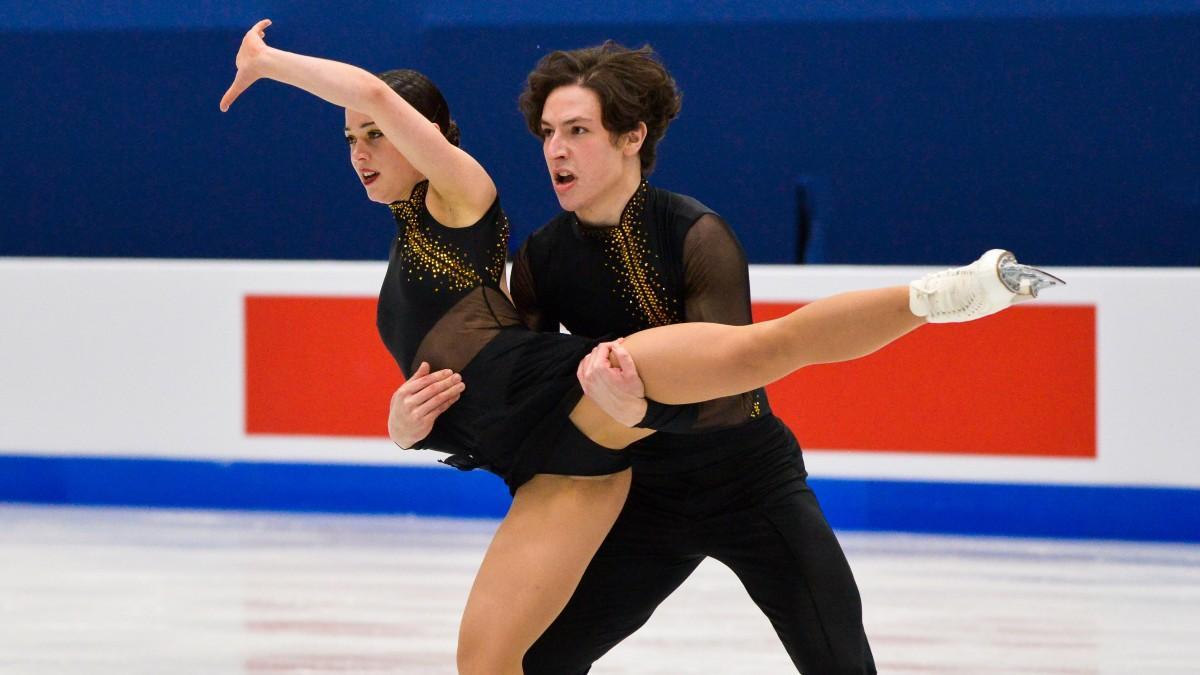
(624, 256)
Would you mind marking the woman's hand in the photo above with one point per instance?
(248, 63)
(417, 403)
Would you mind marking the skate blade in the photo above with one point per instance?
(1025, 279)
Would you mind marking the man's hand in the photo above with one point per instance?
(418, 402)
(610, 378)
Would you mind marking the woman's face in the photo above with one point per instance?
(383, 171)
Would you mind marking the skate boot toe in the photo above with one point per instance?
(986, 286)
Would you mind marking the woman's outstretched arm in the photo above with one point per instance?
(460, 180)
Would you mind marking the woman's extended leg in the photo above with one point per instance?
(691, 362)
(534, 563)
(687, 363)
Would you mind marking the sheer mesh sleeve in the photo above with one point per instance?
(525, 296)
(716, 278)
(677, 419)
(717, 290)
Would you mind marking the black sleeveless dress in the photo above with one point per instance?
(441, 302)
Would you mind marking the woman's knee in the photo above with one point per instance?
(607, 486)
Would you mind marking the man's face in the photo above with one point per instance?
(585, 164)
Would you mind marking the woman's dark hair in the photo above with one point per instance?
(633, 86)
(422, 94)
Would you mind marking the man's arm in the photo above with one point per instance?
(717, 290)
(715, 274)
(530, 304)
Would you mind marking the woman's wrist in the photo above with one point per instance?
(266, 62)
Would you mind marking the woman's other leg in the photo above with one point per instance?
(539, 552)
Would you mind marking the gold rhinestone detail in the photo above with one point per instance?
(638, 281)
(495, 266)
(426, 257)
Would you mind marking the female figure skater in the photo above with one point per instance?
(523, 415)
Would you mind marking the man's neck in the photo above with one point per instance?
(607, 210)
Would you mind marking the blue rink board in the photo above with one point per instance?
(1060, 511)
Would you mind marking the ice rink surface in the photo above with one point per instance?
(122, 591)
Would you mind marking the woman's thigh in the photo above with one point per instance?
(535, 561)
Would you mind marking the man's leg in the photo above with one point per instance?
(789, 560)
(636, 568)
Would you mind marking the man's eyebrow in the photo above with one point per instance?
(566, 122)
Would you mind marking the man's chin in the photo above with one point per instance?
(569, 201)
(376, 195)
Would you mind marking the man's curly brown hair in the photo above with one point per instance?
(633, 86)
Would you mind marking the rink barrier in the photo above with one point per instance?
(1054, 511)
(263, 385)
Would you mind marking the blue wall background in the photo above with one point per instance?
(863, 132)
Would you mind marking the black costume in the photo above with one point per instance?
(736, 492)
(441, 302)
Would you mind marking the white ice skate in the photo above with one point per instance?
(984, 287)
